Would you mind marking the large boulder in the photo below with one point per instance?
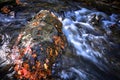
(37, 46)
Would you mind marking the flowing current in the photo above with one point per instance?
(92, 53)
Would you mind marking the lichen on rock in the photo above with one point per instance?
(38, 46)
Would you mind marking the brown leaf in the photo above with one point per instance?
(5, 9)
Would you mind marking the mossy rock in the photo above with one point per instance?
(41, 42)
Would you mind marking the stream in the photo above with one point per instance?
(94, 56)
(93, 53)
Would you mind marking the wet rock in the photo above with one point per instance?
(107, 6)
(37, 47)
(52, 5)
(115, 33)
(9, 6)
(94, 19)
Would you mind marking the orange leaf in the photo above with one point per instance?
(5, 9)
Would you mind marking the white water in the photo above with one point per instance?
(87, 41)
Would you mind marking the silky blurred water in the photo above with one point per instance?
(87, 31)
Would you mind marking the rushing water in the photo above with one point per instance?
(92, 54)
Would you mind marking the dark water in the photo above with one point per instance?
(92, 53)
